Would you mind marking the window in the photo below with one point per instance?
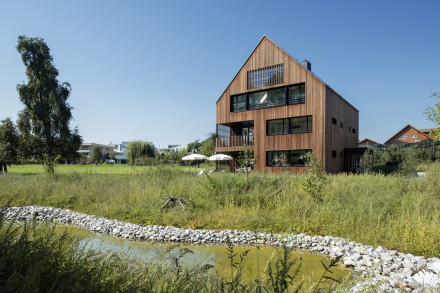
(413, 135)
(286, 158)
(334, 154)
(404, 136)
(289, 125)
(354, 131)
(279, 126)
(334, 121)
(238, 103)
(266, 99)
(296, 94)
(341, 124)
(301, 124)
(282, 96)
(267, 76)
(223, 130)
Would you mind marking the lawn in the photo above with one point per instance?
(99, 169)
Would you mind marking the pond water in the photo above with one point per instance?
(254, 264)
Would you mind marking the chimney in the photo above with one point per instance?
(307, 65)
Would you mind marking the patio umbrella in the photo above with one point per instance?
(219, 157)
(194, 157)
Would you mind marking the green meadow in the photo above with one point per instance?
(396, 211)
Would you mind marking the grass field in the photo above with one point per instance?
(394, 211)
(99, 169)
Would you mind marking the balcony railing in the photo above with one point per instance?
(234, 141)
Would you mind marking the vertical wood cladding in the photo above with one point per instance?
(321, 102)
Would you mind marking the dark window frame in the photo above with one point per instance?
(288, 157)
(289, 123)
(334, 154)
(334, 121)
(286, 97)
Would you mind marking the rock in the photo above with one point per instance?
(434, 266)
(427, 278)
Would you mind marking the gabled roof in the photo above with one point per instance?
(370, 140)
(405, 128)
(287, 53)
(427, 131)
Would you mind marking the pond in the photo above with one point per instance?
(254, 264)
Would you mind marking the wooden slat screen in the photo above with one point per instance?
(267, 76)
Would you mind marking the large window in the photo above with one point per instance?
(267, 99)
(282, 96)
(289, 125)
(286, 158)
(267, 76)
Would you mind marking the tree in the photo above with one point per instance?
(112, 155)
(246, 160)
(9, 141)
(140, 150)
(433, 114)
(193, 147)
(44, 121)
(95, 155)
(207, 147)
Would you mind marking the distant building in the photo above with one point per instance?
(366, 142)
(427, 131)
(172, 148)
(410, 134)
(85, 148)
(121, 149)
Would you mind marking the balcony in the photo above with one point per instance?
(234, 142)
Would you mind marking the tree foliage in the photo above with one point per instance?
(140, 150)
(112, 155)
(9, 142)
(193, 147)
(433, 114)
(44, 121)
(95, 155)
(207, 147)
(396, 158)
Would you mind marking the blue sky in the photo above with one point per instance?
(153, 70)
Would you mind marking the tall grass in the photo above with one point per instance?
(394, 211)
(34, 258)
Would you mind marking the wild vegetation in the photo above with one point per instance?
(402, 159)
(35, 258)
(396, 211)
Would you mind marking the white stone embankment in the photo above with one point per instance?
(389, 270)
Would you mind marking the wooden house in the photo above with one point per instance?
(277, 106)
(366, 142)
(410, 134)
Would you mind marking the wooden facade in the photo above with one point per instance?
(322, 103)
(409, 134)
